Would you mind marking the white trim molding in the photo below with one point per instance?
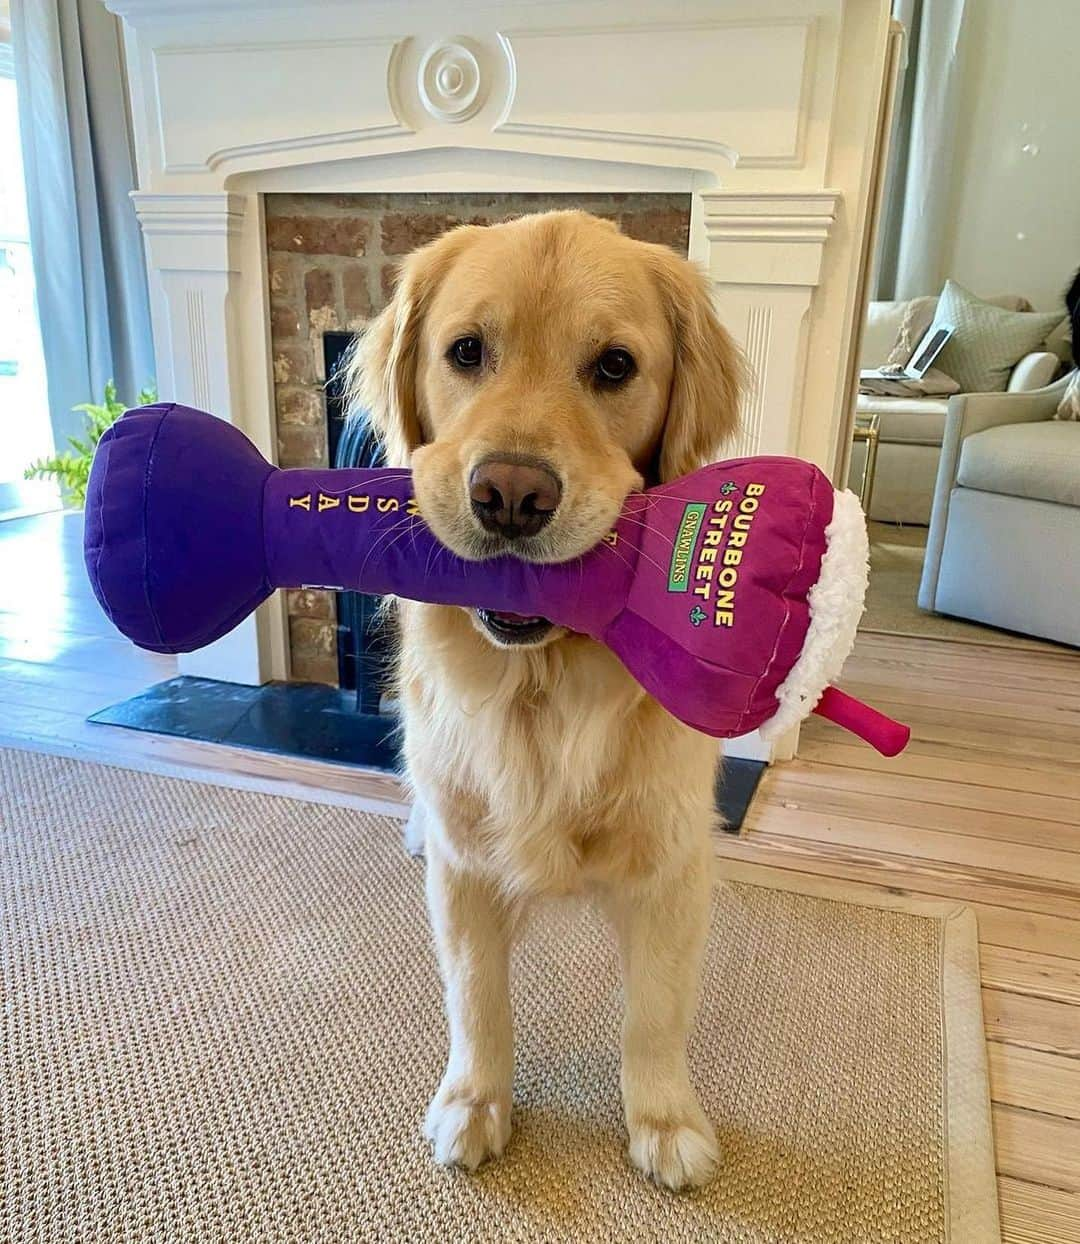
(765, 254)
(197, 263)
(717, 60)
(213, 215)
(775, 239)
(351, 80)
(450, 82)
(193, 256)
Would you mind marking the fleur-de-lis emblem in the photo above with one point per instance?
(728, 487)
(698, 615)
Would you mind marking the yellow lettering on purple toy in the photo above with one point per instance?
(725, 608)
(303, 503)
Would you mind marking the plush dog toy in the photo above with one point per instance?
(732, 594)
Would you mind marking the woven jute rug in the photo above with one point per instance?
(221, 1021)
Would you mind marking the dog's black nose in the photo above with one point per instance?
(513, 499)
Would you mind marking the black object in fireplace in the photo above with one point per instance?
(363, 652)
(363, 643)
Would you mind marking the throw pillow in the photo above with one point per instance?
(1069, 406)
(989, 341)
(918, 316)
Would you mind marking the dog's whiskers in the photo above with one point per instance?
(641, 552)
(380, 545)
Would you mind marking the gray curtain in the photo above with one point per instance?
(79, 167)
(916, 202)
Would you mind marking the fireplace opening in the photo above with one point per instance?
(363, 642)
(331, 266)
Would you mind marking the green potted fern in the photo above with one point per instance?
(71, 469)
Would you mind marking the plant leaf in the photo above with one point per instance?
(72, 467)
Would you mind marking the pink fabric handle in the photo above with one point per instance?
(882, 733)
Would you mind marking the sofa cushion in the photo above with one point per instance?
(989, 341)
(918, 420)
(883, 321)
(918, 316)
(1040, 461)
(1034, 371)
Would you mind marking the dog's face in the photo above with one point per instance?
(532, 374)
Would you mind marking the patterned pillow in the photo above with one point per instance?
(989, 341)
(1069, 406)
(918, 316)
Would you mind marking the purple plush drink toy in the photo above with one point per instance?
(732, 595)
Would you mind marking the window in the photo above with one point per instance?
(25, 431)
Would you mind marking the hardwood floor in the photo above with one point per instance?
(58, 652)
(60, 660)
(984, 807)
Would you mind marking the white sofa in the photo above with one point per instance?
(1004, 542)
(910, 429)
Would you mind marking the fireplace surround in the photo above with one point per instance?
(768, 115)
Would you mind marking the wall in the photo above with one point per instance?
(1015, 186)
(332, 260)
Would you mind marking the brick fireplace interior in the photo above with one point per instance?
(332, 261)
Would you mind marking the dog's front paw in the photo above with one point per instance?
(466, 1130)
(416, 830)
(677, 1152)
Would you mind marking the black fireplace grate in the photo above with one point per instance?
(363, 644)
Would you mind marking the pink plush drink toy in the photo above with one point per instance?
(732, 595)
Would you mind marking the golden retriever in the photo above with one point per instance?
(532, 374)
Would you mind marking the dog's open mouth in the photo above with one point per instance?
(513, 628)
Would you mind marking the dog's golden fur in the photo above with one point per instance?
(545, 769)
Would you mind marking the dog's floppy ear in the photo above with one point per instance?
(381, 371)
(381, 377)
(710, 371)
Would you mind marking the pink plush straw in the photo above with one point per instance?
(882, 733)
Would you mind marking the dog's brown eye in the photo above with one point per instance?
(614, 366)
(467, 352)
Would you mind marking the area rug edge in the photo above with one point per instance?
(971, 1207)
(226, 779)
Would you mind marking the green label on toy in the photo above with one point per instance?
(682, 554)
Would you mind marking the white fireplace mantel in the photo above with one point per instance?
(765, 111)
